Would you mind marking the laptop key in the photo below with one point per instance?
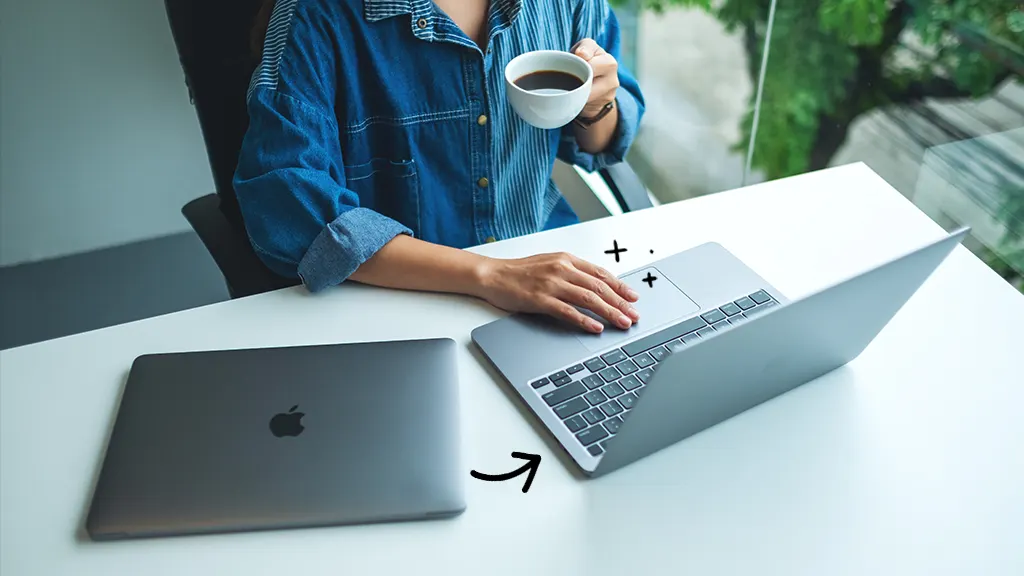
(757, 311)
(627, 367)
(659, 354)
(663, 336)
(610, 374)
(628, 400)
(630, 382)
(738, 319)
(595, 365)
(571, 408)
(761, 309)
(592, 435)
(677, 345)
(644, 360)
(706, 332)
(557, 375)
(595, 398)
(691, 338)
(713, 316)
(745, 303)
(562, 381)
(612, 424)
(611, 408)
(645, 375)
(540, 383)
(760, 297)
(730, 309)
(595, 450)
(564, 393)
(613, 390)
(593, 416)
(593, 381)
(574, 369)
(614, 357)
(575, 424)
(723, 325)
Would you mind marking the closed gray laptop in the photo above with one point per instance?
(239, 440)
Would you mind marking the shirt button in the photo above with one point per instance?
(491, 239)
(481, 120)
(482, 182)
(422, 23)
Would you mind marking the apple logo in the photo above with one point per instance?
(287, 424)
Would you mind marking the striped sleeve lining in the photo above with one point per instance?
(268, 72)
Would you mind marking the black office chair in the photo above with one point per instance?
(213, 42)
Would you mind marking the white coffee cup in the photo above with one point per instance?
(548, 108)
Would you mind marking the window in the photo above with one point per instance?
(928, 93)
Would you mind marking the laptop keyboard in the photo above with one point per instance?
(594, 396)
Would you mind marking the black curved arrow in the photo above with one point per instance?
(532, 464)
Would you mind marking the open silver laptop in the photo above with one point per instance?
(237, 440)
(714, 339)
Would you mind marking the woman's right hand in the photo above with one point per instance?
(555, 284)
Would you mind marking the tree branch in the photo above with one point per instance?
(753, 46)
(894, 25)
(871, 62)
(936, 87)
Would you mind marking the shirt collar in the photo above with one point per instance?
(376, 10)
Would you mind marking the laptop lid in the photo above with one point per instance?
(235, 440)
(788, 346)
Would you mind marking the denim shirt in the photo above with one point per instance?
(375, 118)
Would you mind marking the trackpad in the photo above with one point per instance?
(660, 303)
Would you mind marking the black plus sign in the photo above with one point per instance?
(616, 250)
(650, 280)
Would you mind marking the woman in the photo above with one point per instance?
(381, 143)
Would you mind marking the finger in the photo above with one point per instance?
(589, 300)
(567, 313)
(620, 287)
(605, 292)
(604, 65)
(586, 49)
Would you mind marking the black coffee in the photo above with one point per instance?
(549, 80)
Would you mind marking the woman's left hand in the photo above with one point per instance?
(606, 75)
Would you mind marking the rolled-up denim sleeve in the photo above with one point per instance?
(595, 19)
(302, 220)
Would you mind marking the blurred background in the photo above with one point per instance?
(928, 93)
(100, 147)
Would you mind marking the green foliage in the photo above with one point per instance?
(1012, 245)
(831, 61)
(660, 6)
(861, 19)
(1013, 209)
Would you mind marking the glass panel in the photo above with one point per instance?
(928, 93)
(698, 85)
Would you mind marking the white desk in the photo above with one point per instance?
(908, 461)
